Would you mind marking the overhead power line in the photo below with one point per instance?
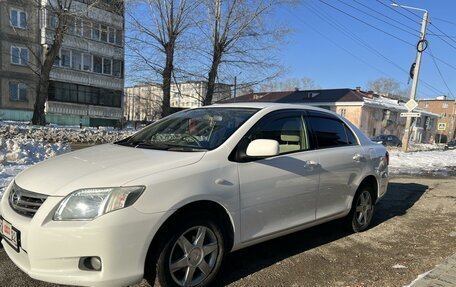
(368, 24)
(328, 19)
(377, 18)
(398, 12)
(443, 20)
(441, 75)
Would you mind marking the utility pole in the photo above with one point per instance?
(421, 46)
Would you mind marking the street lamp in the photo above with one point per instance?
(421, 46)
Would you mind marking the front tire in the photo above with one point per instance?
(192, 254)
(362, 210)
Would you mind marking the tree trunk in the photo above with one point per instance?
(167, 74)
(216, 59)
(39, 117)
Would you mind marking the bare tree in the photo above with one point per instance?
(157, 26)
(240, 36)
(384, 86)
(304, 83)
(61, 9)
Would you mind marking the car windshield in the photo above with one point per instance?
(191, 130)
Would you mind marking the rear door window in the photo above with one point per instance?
(329, 131)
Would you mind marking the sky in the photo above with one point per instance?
(356, 41)
(347, 43)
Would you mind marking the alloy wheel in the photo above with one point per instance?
(364, 209)
(193, 256)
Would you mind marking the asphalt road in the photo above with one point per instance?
(414, 229)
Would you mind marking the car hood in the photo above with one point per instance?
(100, 166)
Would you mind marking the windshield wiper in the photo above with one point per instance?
(160, 146)
(186, 148)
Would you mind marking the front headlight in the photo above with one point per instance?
(87, 204)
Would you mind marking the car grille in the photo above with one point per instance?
(25, 202)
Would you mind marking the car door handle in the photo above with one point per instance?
(358, 157)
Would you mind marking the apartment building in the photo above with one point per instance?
(87, 80)
(19, 41)
(446, 108)
(143, 102)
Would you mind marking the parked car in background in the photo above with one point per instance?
(174, 198)
(451, 144)
(387, 140)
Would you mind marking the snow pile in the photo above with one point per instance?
(436, 162)
(55, 134)
(28, 151)
(18, 154)
(426, 147)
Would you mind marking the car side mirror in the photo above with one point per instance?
(263, 148)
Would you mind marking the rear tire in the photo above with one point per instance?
(192, 254)
(362, 210)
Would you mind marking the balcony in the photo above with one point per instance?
(86, 78)
(83, 110)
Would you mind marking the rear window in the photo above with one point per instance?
(330, 131)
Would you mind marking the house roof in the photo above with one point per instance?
(324, 97)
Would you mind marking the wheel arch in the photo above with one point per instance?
(372, 182)
(215, 209)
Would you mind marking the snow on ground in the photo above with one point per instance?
(15, 130)
(435, 162)
(22, 145)
(18, 154)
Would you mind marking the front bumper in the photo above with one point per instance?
(50, 250)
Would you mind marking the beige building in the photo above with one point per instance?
(447, 110)
(143, 102)
(371, 113)
(86, 82)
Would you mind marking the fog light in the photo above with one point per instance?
(92, 263)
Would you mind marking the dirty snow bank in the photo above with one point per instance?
(18, 154)
(55, 134)
(436, 163)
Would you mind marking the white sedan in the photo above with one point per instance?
(173, 199)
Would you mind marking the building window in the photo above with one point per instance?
(107, 66)
(119, 37)
(77, 26)
(112, 35)
(76, 60)
(18, 18)
(426, 104)
(53, 21)
(117, 68)
(87, 66)
(19, 55)
(97, 64)
(65, 58)
(342, 112)
(96, 32)
(104, 33)
(87, 29)
(57, 61)
(65, 92)
(445, 106)
(18, 92)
